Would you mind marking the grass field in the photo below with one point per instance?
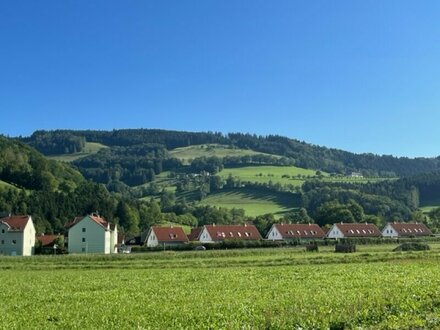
(264, 174)
(209, 150)
(235, 289)
(4, 184)
(254, 202)
(90, 149)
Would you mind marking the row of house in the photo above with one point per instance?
(279, 232)
(93, 234)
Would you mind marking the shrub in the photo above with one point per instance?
(412, 246)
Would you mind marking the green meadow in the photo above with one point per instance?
(283, 288)
(90, 149)
(275, 174)
(253, 201)
(210, 150)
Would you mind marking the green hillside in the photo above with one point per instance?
(4, 184)
(89, 149)
(185, 154)
(254, 202)
(277, 174)
(25, 167)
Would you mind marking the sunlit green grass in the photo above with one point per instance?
(209, 150)
(253, 201)
(241, 289)
(90, 149)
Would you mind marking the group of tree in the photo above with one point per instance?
(304, 155)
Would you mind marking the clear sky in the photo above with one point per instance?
(363, 76)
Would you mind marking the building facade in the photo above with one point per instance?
(17, 236)
(92, 234)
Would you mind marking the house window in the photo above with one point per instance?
(83, 230)
(3, 231)
(83, 239)
(14, 241)
(83, 249)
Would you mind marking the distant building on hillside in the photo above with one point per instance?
(281, 231)
(357, 175)
(218, 233)
(344, 230)
(406, 230)
(165, 236)
(91, 234)
(17, 235)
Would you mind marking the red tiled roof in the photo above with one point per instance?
(359, 229)
(411, 229)
(47, 240)
(233, 232)
(300, 230)
(69, 224)
(169, 234)
(195, 233)
(16, 222)
(100, 221)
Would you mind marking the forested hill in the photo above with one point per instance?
(24, 167)
(300, 153)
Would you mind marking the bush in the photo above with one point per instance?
(412, 246)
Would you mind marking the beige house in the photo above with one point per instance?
(17, 236)
(92, 234)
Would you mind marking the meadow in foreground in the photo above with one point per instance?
(252, 289)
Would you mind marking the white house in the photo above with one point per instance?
(282, 231)
(406, 230)
(218, 233)
(17, 236)
(343, 230)
(92, 234)
(165, 236)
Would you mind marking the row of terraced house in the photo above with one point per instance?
(93, 234)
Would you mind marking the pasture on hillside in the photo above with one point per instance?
(4, 184)
(265, 174)
(89, 149)
(254, 202)
(235, 289)
(210, 150)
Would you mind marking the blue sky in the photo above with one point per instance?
(363, 76)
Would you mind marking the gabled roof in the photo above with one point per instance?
(100, 221)
(195, 233)
(299, 230)
(411, 229)
(47, 240)
(358, 229)
(233, 232)
(16, 222)
(169, 234)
